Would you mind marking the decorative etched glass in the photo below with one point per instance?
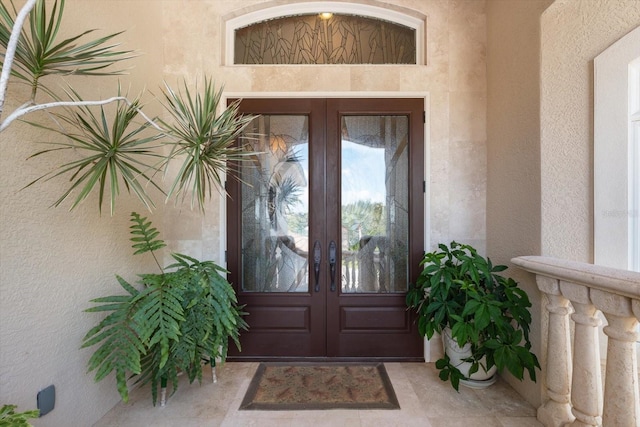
(375, 204)
(314, 39)
(275, 206)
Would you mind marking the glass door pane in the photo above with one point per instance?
(375, 204)
(275, 205)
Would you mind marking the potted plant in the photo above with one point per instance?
(459, 295)
(181, 317)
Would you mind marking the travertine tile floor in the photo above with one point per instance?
(425, 401)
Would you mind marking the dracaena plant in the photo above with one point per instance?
(170, 323)
(113, 150)
(40, 53)
(107, 151)
(203, 138)
(460, 290)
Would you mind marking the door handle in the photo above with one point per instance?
(332, 265)
(317, 257)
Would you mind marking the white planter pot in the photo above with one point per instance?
(457, 354)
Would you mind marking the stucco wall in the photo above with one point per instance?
(52, 262)
(513, 149)
(573, 33)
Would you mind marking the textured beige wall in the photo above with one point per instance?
(513, 149)
(52, 262)
(574, 32)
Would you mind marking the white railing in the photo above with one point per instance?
(578, 292)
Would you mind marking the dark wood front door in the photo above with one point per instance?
(325, 228)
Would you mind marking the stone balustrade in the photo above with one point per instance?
(577, 292)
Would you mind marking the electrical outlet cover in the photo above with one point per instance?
(46, 400)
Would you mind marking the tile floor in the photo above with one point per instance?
(425, 401)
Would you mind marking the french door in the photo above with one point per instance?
(325, 228)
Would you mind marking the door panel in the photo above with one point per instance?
(325, 230)
(270, 227)
(384, 258)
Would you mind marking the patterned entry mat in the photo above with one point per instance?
(300, 386)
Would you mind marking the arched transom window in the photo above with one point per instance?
(325, 33)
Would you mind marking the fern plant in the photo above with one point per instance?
(185, 314)
(10, 418)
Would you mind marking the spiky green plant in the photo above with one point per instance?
(182, 316)
(39, 52)
(204, 138)
(10, 418)
(108, 150)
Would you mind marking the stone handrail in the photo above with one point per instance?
(578, 292)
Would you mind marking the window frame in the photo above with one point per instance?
(616, 220)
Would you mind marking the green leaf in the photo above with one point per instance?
(482, 316)
(470, 307)
(456, 376)
(10, 418)
(119, 348)
(160, 315)
(146, 242)
(441, 363)
(39, 53)
(492, 344)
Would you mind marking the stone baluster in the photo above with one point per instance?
(556, 409)
(614, 292)
(621, 396)
(586, 385)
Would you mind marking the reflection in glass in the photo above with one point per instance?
(375, 204)
(275, 204)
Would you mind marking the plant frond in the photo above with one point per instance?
(108, 154)
(10, 418)
(204, 140)
(159, 315)
(119, 344)
(39, 52)
(144, 235)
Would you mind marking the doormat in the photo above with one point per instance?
(300, 386)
